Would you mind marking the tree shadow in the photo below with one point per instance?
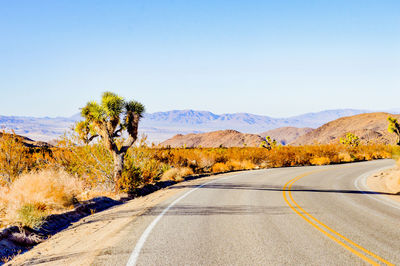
(196, 210)
(238, 186)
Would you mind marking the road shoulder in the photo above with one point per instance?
(386, 181)
(83, 241)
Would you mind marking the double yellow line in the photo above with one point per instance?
(326, 230)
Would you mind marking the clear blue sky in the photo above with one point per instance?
(276, 58)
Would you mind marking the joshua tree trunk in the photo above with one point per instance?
(118, 167)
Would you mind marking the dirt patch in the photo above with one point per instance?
(387, 181)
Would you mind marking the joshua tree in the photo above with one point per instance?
(394, 127)
(268, 143)
(350, 140)
(109, 120)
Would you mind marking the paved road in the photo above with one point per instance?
(300, 215)
(288, 216)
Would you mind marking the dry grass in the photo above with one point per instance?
(221, 167)
(212, 159)
(28, 198)
(320, 161)
(35, 195)
(176, 174)
(242, 165)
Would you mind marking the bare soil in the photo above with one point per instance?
(387, 181)
(285, 135)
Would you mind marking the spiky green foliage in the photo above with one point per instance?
(112, 104)
(394, 127)
(85, 131)
(135, 107)
(108, 121)
(350, 140)
(93, 112)
(269, 143)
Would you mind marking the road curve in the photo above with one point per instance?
(255, 218)
(297, 215)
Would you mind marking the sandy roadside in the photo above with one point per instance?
(96, 232)
(387, 181)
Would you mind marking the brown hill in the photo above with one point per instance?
(285, 135)
(28, 142)
(370, 128)
(224, 138)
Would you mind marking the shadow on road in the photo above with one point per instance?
(193, 210)
(274, 188)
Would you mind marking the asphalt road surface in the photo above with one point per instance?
(288, 216)
(299, 215)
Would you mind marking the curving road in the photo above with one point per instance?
(302, 215)
(293, 216)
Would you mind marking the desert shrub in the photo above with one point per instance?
(221, 167)
(131, 178)
(394, 127)
(396, 153)
(170, 174)
(350, 140)
(344, 157)
(14, 158)
(205, 163)
(320, 161)
(141, 156)
(176, 174)
(185, 171)
(47, 191)
(241, 165)
(203, 159)
(32, 214)
(269, 143)
(92, 163)
(3, 204)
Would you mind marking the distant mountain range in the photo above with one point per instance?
(160, 126)
(369, 127)
(219, 138)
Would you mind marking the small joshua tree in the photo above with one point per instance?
(394, 127)
(109, 120)
(268, 143)
(350, 140)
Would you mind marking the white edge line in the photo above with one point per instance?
(139, 245)
(360, 182)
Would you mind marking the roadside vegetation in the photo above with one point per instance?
(47, 181)
(36, 182)
(394, 127)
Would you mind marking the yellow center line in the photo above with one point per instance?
(287, 188)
